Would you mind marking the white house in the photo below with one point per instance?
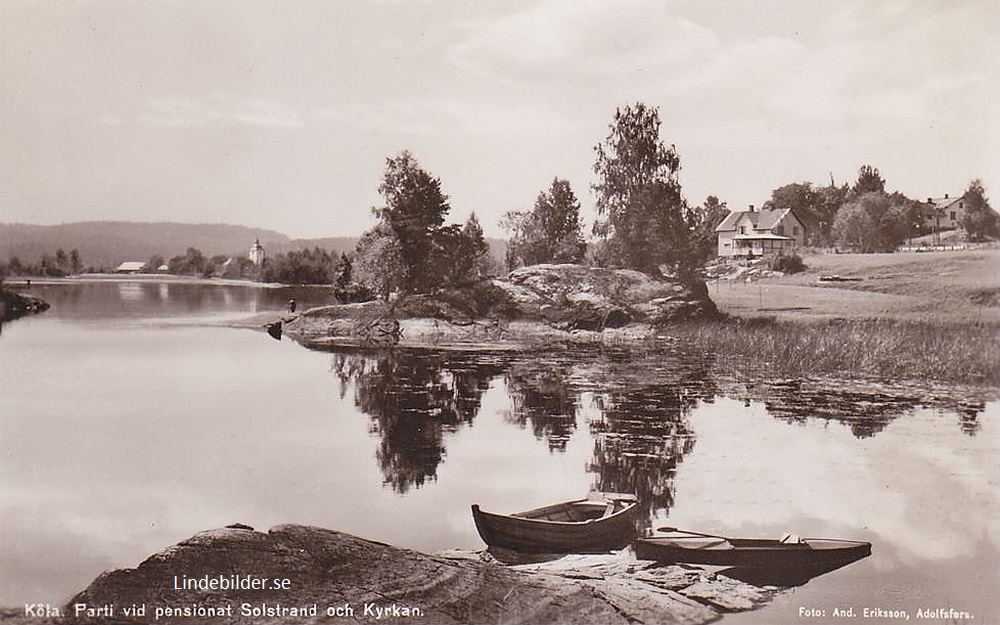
(944, 213)
(754, 233)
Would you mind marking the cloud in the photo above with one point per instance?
(215, 109)
(867, 72)
(560, 39)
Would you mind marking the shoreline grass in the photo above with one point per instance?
(881, 349)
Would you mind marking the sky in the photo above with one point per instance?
(280, 115)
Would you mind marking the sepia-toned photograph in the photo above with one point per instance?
(538, 312)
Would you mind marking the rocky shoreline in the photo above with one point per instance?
(537, 305)
(14, 305)
(301, 574)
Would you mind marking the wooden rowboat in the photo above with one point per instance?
(595, 525)
(789, 554)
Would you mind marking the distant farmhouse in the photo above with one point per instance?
(755, 233)
(130, 266)
(944, 213)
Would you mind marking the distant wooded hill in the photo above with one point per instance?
(109, 243)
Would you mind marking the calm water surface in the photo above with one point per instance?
(131, 420)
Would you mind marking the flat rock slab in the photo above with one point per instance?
(336, 577)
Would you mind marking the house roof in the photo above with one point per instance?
(942, 202)
(764, 219)
(729, 223)
(131, 265)
(771, 217)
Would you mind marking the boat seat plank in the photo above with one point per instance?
(714, 543)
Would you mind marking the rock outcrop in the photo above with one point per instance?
(333, 577)
(14, 305)
(561, 303)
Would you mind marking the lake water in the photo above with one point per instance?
(131, 418)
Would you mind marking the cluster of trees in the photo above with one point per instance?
(643, 223)
(411, 249)
(56, 266)
(194, 263)
(315, 266)
(549, 233)
(305, 266)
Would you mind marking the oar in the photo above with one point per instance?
(680, 531)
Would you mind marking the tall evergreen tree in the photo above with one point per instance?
(551, 232)
(414, 210)
(62, 261)
(869, 181)
(472, 251)
(343, 272)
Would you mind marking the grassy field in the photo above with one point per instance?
(952, 288)
(923, 316)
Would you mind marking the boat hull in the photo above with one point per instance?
(524, 534)
(807, 556)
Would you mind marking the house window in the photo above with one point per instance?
(780, 230)
(953, 215)
(743, 229)
(795, 231)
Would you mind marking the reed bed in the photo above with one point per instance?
(880, 349)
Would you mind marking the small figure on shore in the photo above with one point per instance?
(291, 305)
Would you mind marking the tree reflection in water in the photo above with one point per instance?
(867, 410)
(540, 395)
(643, 400)
(638, 441)
(413, 400)
(643, 432)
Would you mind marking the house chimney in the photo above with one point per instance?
(930, 200)
(751, 208)
(946, 196)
